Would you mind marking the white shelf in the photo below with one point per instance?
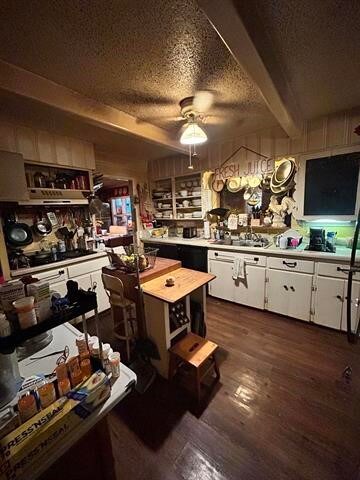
(189, 219)
(164, 208)
(189, 208)
(189, 196)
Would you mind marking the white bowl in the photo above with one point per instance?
(183, 193)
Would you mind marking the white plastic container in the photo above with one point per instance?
(5, 328)
(114, 359)
(25, 311)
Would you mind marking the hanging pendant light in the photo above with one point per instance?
(193, 135)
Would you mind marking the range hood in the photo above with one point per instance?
(50, 196)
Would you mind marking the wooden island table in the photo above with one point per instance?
(190, 285)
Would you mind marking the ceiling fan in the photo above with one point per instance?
(193, 110)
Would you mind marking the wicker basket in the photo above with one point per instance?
(145, 258)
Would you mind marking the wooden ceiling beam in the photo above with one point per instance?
(27, 84)
(226, 20)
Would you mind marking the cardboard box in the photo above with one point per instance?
(33, 439)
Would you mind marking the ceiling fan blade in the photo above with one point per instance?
(203, 101)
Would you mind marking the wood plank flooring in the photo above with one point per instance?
(282, 409)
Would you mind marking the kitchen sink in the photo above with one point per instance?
(244, 243)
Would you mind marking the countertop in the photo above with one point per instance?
(49, 266)
(342, 253)
(186, 281)
(161, 267)
(65, 335)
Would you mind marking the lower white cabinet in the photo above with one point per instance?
(251, 290)
(223, 285)
(102, 298)
(355, 307)
(289, 293)
(329, 301)
(59, 287)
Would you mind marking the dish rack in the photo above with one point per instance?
(143, 259)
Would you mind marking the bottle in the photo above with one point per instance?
(74, 370)
(115, 364)
(25, 310)
(54, 253)
(47, 394)
(27, 406)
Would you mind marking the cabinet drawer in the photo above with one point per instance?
(52, 276)
(87, 267)
(335, 270)
(259, 260)
(291, 264)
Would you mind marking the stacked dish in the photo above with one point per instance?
(282, 180)
(197, 214)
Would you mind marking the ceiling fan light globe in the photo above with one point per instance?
(193, 135)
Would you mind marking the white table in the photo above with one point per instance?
(65, 335)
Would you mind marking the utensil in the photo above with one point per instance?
(248, 194)
(234, 184)
(217, 185)
(254, 181)
(17, 234)
(42, 227)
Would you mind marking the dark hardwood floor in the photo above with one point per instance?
(282, 409)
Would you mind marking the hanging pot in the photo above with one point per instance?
(42, 226)
(17, 234)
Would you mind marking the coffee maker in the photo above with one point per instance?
(317, 240)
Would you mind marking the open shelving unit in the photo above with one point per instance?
(176, 209)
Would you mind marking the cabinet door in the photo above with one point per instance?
(277, 292)
(355, 307)
(251, 290)
(102, 298)
(290, 294)
(329, 299)
(59, 287)
(223, 285)
(84, 282)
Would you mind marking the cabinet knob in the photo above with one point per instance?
(292, 289)
(339, 297)
(286, 287)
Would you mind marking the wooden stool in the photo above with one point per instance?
(194, 351)
(114, 288)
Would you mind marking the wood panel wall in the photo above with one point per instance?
(41, 146)
(319, 134)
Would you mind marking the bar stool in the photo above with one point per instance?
(114, 288)
(199, 354)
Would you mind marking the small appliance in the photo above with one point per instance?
(189, 232)
(317, 240)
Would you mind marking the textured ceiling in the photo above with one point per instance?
(317, 45)
(28, 112)
(141, 57)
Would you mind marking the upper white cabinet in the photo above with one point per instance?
(12, 178)
(289, 293)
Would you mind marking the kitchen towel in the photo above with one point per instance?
(239, 268)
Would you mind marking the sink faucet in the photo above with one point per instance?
(249, 233)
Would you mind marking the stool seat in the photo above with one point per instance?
(199, 354)
(194, 349)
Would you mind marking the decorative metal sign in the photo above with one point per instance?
(256, 167)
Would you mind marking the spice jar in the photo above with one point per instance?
(85, 366)
(114, 359)
(25, 311)
(74, 370)
(47, 394)
(27, 407)
(64, 386)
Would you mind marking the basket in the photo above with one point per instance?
(145, 258)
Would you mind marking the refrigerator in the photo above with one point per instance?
(353, 290)
(121, 212)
